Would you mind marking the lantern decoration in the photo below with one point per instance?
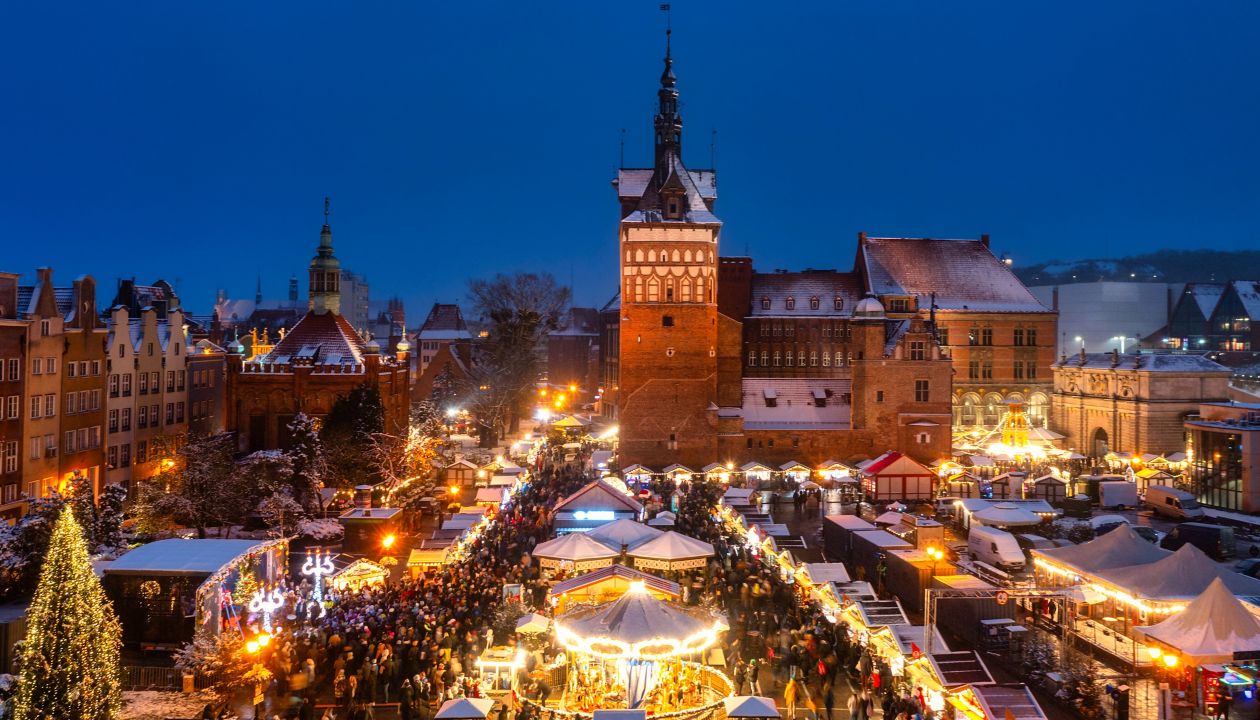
(317, 565)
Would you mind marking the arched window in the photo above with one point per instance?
(687, 256)
(653, 290)
(992, 409)
(800, 358)
(627, 256)
(638, 255)
(813, 303)
(765, 303)
(791, 303)
(826, 358)
(684, 288)
(839, 303)
(839, 359)
(677, 257)
(1037, 409)
(699, 289)
(638, 288)
(669, 289)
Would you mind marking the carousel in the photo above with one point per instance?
(640, 652)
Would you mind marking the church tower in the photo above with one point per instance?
(325, 269)
(668, 254)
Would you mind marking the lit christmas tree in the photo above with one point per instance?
(69, 665)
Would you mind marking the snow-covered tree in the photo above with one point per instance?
(69, 664)
(281, 513)
(222, 658)
(306, 453)
(24, 545)
(200, 491)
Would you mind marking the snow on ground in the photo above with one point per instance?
(159, 705)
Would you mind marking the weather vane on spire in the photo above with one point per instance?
(669, 25)
(327, 209)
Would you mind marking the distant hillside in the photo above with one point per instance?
(1174, 266)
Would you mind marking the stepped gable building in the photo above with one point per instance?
(719, 363)
(999, 336)
(320, 359)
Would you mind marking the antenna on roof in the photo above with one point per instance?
(669, 25)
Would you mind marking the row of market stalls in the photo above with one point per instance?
(448, 542)
(633, 543)
(831, 471)
(943, 677)
(1179, 612)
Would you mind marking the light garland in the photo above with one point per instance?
(642, 650)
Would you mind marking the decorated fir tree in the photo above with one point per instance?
(69, 665)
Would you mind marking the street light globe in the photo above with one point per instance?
(388, 541)
(1170, 660)
(251, 647)
(264, 640)
(1154, 652)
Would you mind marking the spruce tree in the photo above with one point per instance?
(69, 665)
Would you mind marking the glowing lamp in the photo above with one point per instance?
(264, 640)
(388, 541)
(1154, 652)
(453, 490)
(1170, 661)
(251, 647)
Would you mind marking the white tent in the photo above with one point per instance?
(574, 549)
(750, 706)
(1211, 629)
(624, 532)
(1121, 547)
(464, 709)
(889, 518)
(1182, 576)
(1005, 515)
(663, 519)
(672, 551)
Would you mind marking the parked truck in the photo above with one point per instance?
(1117, 494)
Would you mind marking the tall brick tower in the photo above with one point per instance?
(669, 247)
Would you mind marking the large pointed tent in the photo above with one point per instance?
(464, 709)
(1182, 576)
(623, 533)
(1211, 629)
(672, 551)
(574, 550)
(1121, 547)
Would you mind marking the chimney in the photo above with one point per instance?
(861, 237)
(1054, 298)
(1115, 357)
(984, 240)
(363, 498)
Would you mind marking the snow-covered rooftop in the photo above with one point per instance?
(789, 403)
(964, 274)
(180, 557)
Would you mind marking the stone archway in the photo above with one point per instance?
(1098, 443)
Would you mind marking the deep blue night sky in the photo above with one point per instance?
(195, 141)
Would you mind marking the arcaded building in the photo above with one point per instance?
(321, 359)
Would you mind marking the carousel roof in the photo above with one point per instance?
(1211, 628)
(672, 545)
(623, 532)
(464, 709)
(1006, 514)
(1119, 548)
(635, 617)
(1183, 575)
(574, 547)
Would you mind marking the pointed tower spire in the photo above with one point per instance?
(258, 291)
(325, 272)
(668, 122)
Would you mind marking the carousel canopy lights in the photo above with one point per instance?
(636, 626)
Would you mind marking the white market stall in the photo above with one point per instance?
(624, 534)
(574, 551)
(672, 551)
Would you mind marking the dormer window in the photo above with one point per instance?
(791, 303)
(765, 303)
(813, 303)
(839, 303)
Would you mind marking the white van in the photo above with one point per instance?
(995, 547)
(1173, 503)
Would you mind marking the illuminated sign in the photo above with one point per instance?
(594, 515)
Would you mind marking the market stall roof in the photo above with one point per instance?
(881, 613)
(1183, 575)
(738, 496)
(794, 466)
(754, 467)
(425, 556)
(616, 571)
(1013, 702)
(909, 637)
(619, 715)
(671, 545)
(636, 469)
(891, 517)
(571, 422)
(981, 461)
(181, 557)
(960, 668)
(750, 706)
(625, 532)
(573, 547)
(819, 573)
(489, 495)
(1043, 434)
(1006, 515)
(1122, 547)
(677, 469)
(634, 617)
(465, 709)
(713, 467)
(533, 623)
(598, 495)
(1211, 629)
(1176, 457)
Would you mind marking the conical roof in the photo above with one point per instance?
(623, 532)
(1211, 629)
(1184, 575)
(574, 547)
(634, 617)
(1121, 547)
(464, 709)
(672, 545)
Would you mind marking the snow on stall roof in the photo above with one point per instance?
(181, 557)
(1183, 575)
(1144, 362)
(1122, 547)
(964, 274)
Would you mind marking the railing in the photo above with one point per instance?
(142, 677)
